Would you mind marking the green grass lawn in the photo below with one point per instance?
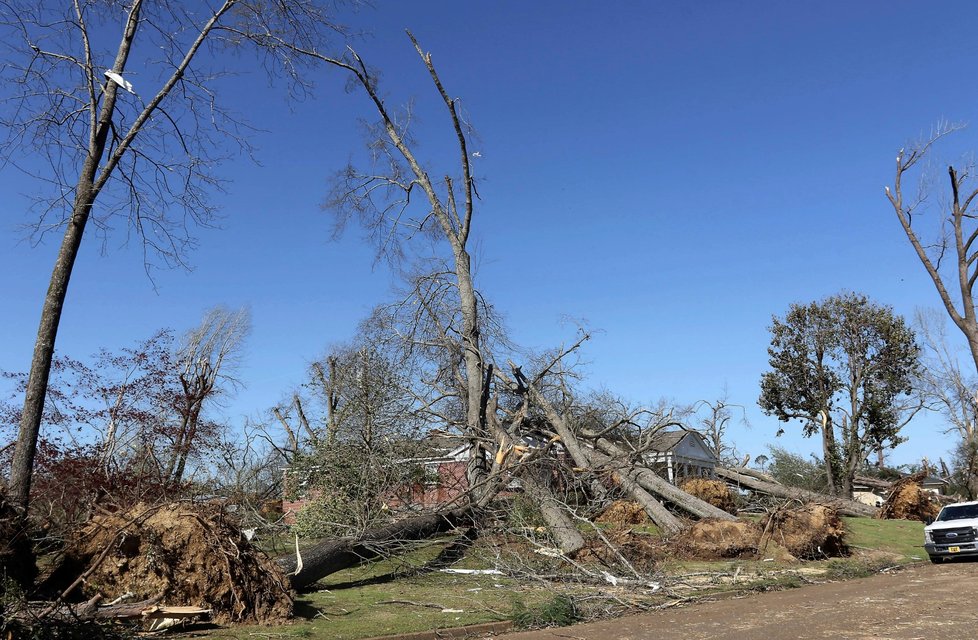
(902, 538)
(370, 601)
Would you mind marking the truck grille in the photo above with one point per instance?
(953, 536)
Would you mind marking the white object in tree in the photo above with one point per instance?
(119, 80)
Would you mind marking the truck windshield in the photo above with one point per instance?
(958, 512)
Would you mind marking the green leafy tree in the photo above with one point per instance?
(842, 366)
(793, 470)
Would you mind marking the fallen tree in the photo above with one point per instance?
(843, 506)
(315, 563)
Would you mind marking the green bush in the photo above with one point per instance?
(559, 611)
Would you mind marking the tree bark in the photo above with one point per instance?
(842, 505)
(569, 540)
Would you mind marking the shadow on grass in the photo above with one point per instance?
(445, 558)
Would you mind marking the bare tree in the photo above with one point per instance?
(946, 388)
(208, 358)
(380, 198)
(943, 235)
(950, 258)
(126, 129)
(714, 422)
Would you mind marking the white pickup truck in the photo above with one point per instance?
(954, 532)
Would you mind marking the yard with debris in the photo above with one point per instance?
(394, 597)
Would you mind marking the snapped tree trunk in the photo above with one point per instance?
(656, 511)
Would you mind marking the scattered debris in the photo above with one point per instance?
(474, 572)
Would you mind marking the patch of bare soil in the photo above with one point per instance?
(810, 532)
(190, 554)
(718, 539)
(908, 501)
(623, 512)
(716, 492)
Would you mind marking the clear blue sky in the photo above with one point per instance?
(671, 173)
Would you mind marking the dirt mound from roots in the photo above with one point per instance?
(622, 512)
(715, 492)
(810, 532)
(907, 500)
(642, 550)
(190, 554)
(718, 539)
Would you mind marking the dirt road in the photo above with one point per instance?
(924, 601)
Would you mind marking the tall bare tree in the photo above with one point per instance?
(949, 252)
(380, 199)
(128, 128)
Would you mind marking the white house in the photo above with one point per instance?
(681, 454)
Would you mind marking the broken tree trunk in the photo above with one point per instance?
(569, 540)
(874, 483)
(843, 506)
(652, 482)
(754, 473)
(330, 556)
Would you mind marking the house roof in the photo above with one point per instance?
(667, 440)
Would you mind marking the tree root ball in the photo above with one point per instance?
(907, 500)
(622, 512)
(641, 550)
(811, 532)
(714, 492)
(718, 539)
(191, 554)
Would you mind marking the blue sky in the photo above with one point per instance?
(671, 174)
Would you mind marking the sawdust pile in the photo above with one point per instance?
(190, 554)
(908, 501)
(716, 539)
(715, 492)
(622, 512)
(810, 532)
